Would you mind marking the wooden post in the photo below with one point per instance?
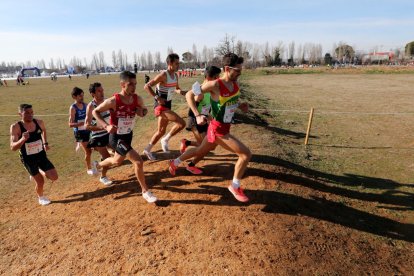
(309, 126)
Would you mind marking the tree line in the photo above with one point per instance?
(254, 54)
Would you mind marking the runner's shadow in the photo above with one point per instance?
(319, 208)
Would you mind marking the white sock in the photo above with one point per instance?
(149, 147)
(177, 161)
(236, 183)
(166, 137)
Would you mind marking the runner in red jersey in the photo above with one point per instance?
(123, 107)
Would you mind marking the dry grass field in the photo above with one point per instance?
(341, 205)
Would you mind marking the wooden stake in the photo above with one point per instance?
(309, 126)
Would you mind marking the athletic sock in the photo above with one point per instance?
(177, 161)
(236, 183)
(149, 147)
(191, 164)
(167, 137)
(187, 143)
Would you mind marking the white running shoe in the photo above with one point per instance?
(93, 170)
(164, 145)
(149, 197)
(149, 155)
(104, 180)
(44, 200)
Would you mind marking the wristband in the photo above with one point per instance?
(46, 144)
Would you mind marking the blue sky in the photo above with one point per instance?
(31, 30)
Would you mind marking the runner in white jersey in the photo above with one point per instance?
(99, 138)
(166, 86)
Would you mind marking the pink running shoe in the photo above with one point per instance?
(194, 170)
(172, 168)
(238, 194)
(183, 146)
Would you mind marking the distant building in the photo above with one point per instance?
(379, 57)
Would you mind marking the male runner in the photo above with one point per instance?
(29, 137)
(225, 95)
(99, 138)
(203, 106)
(123, 107)
(167, 85)
(77, 115)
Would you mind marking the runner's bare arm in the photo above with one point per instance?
(160, 78)
(108, 104)
(211, 87)
(44, 135)
(88, 119)
(142, 110)
(72, 113)
(178, 88)
(15, 142)
(190, 97)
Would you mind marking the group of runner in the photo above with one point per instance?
(104, 123)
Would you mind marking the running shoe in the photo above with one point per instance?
(44, 200)
(149, 197)
(93, 170)
(238, 194)
(194, 170)
(104, 180)
(149, 155)
(172, 168)
(183, 146)
(164, 145)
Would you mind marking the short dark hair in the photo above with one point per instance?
(172, 57)
(93, 86)
(76, 91)
(231, 59)
(127, 75)
(24, 106)
(211, 71)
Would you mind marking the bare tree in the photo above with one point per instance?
(204, 56)
(101, 60)
(120, 59)
(95, 61)
(144, 63)
(195, 56)
(52, 64)
(226, 45)
(114, 60)
(170, 50)
(291, 53)
(157, 60)
(150, 61)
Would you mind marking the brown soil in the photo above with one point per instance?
(294, 224)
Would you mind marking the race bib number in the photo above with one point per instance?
(82, 127)
(196, 88)
(125, 125)
(33, 147)
(229, 113)
(205, 110)
(170, 94)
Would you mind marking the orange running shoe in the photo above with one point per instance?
(194, 170)
(172, 168)
(238, 194)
